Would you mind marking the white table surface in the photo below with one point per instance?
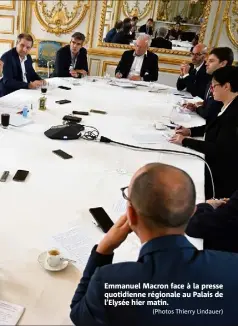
(58, 193)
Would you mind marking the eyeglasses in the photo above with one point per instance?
(124, 191)
(195, 54)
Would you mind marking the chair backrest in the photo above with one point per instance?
(47, 52)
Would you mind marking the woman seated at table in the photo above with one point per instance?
(221, 136)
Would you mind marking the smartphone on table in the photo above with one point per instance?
(102, 218)
(62, 154)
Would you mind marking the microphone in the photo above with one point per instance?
(107, 140)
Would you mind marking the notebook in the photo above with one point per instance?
(10, 313)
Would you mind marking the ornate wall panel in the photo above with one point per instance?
(7, 4)
(7, 24)
(60, 17)
(94, 66)
(231, 20)
(5, 45)
(137, 8)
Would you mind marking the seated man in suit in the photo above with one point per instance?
(71, 60)
(160, 202)
(209, 109)
(134, 21)
(193, 77)
(18, 71)
(148, 27)
(113, 31)
(216, 222)
(124, 36)
(140, 64)
(160, 41)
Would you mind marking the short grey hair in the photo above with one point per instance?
(146, 38)
(162, 32)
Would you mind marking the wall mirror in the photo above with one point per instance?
(177, 24)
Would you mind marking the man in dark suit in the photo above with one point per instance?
(160, 41)
(71, 60)
(117, 28)
(209, 109)
(140, 64)
(193, 77)
(124, 36)
(216, 222)
(147, 28)
(18, 71)
(160, 201)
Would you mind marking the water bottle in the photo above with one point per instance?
(25, 111)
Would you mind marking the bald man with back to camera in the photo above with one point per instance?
(193, 77)
(139, 64)
(160, 202)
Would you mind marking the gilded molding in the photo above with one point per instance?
(155, 50)
(11, 42)
(206, 14)
(23, 16)
(113, 63)
(231, 27)
(135, 11)
(94, 8)
(118, 54)
(11, 6)
(214, 25)
(98, 65)
(12, 17)
(169, 70)
(107, 63)
(57, 16)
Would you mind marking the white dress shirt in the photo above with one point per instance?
(137, 64)
(23, 68)
(197, 68)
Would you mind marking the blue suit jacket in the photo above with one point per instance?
(218, 227)
(163, 260)
(12, 73)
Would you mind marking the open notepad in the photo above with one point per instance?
(10, 313)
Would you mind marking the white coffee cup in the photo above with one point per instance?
(53, 257)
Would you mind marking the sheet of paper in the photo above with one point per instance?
(74, 244)
(10, 313)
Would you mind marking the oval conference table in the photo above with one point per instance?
(51, 208)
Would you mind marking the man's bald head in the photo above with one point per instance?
(199, 54)
(142, 44)
(162, 196)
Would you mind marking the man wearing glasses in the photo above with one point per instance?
(71, 60)
(160, 201)
(193, 77)
(209, 108)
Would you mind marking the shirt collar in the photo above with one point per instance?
(23, 60)
(197, 68)
(134, 54)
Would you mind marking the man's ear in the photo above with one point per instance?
(131, 215)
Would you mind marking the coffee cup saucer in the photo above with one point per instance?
(43, 262)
